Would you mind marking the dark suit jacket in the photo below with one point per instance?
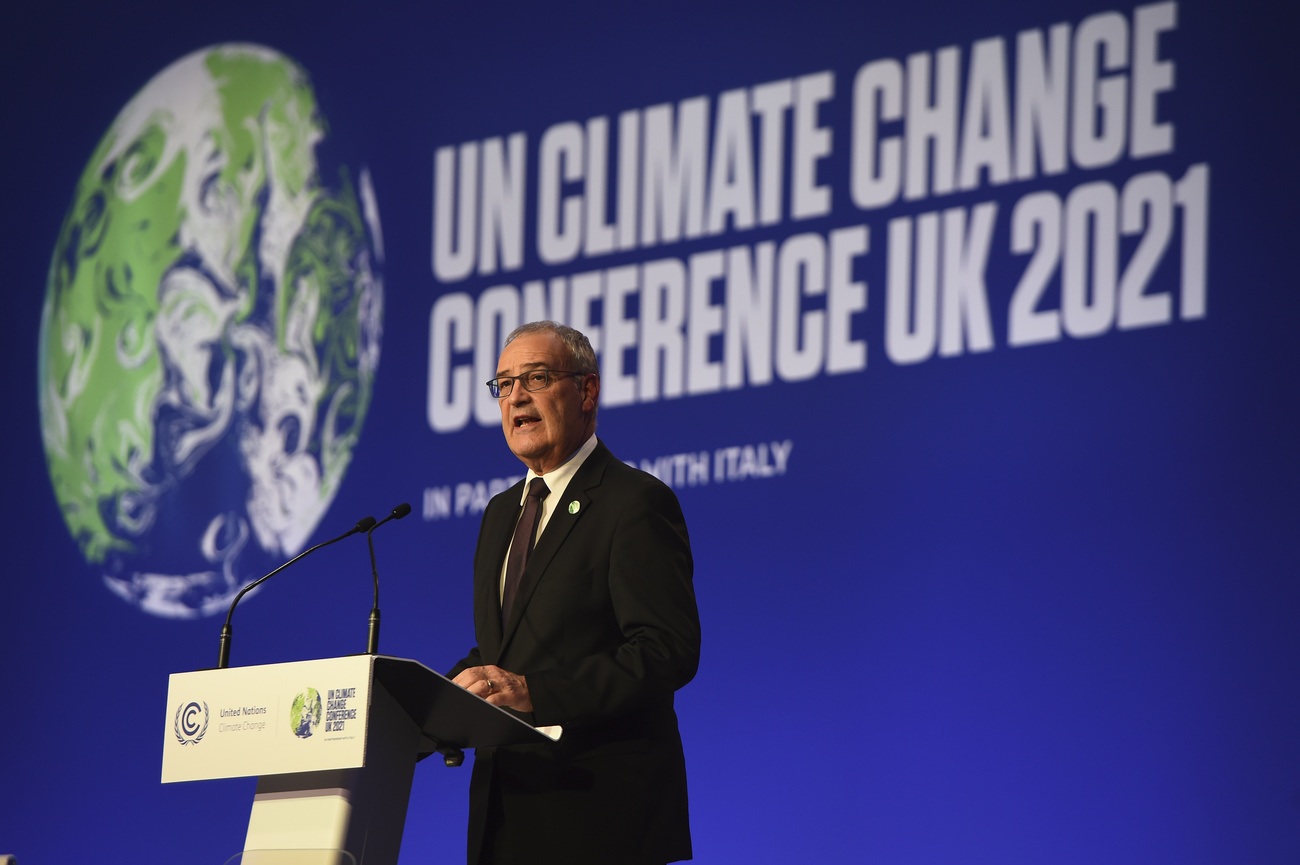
(605, 628)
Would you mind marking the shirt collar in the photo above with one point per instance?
(558, 479)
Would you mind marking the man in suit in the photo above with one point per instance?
(591, 629)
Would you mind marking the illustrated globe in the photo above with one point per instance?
(210, 333)
(305, 713)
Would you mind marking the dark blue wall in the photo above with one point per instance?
(1024, 604)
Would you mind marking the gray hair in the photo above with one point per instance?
(581, 354)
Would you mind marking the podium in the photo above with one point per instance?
(333, 743)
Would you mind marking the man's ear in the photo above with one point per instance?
(590, 391)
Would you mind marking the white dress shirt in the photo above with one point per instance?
(557, 482)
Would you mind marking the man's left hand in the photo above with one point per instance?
(499, 687)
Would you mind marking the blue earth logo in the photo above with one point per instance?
(305, 713)
(210, 333)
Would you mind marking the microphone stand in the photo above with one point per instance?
(372, 636)
(223, 652)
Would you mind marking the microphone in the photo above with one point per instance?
(223, 654)
(372, 638)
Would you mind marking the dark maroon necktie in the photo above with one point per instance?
(522, 545)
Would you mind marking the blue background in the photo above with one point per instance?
(1034, 605)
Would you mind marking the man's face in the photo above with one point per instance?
(544, 427)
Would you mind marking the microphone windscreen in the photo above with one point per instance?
(365, 524)
(401, 510)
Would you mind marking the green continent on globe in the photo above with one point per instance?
(210, 332)
(305, 713)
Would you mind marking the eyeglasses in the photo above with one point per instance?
(534, 379)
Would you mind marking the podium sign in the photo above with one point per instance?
(334, 744)
(274, 719)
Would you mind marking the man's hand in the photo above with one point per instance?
(499, 687)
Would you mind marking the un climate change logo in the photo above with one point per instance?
(305, 713)
(186, 723)
(210, 332)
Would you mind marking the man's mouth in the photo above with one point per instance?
(523, 421)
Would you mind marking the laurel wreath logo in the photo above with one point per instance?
(186, 723)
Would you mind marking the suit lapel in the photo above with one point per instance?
(558, 529)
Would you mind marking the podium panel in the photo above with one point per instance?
(278, 718)
(334, 744)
